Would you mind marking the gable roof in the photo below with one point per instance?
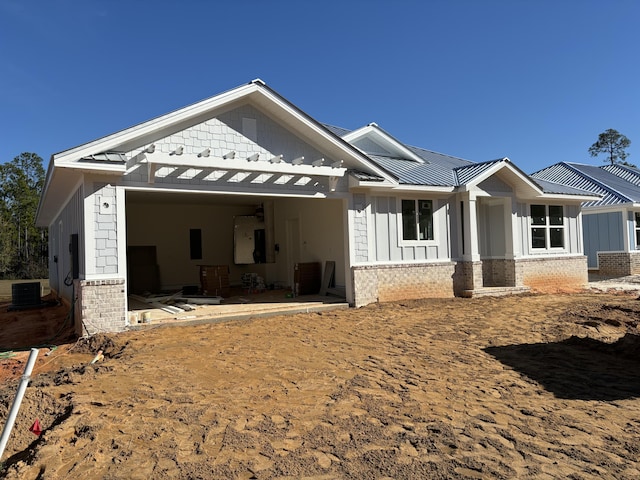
(107, 154)
(612, 182)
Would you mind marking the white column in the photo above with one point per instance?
(471, 247)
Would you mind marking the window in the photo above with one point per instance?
(637, 229)
(547, 226)
(417, 220)
(195, 244)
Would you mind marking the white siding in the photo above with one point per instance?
(69, 222)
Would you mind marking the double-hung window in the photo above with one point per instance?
(637, 215)
(547, 226)
(417, 219)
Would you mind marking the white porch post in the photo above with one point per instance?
(471, 247)
(626, 230)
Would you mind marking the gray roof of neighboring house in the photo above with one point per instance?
(612, 182)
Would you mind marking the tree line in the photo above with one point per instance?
(23, 246)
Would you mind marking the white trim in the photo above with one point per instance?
(386, 141)
(240, 164)
(547, 227)
(609, 208)
(440, 261)
(400, 227)
(89, 229)
(121, 230)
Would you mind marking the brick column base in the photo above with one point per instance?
(101, 306)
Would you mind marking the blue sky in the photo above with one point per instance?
(535, 81)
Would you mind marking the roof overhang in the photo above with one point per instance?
(610, 208)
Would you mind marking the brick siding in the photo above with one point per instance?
(384, 283)
(100, 306)
(619, 264)
(548, 275)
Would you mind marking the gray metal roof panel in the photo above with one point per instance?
(614, 190)
(414, 173)
(466, 173)
(339, 131)
(559, 188)
(445, 161)
(629, 174)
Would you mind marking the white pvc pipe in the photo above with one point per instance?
(13, 413)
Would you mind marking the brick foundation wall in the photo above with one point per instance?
(498, 273)
(100, 306)
(619, 264)
(552, 274)
(384, 283)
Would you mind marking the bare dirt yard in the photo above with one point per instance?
(526, 387)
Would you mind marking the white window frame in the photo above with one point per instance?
(636, 218)
(547, 227)
(400, 222)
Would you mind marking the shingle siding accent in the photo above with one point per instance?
(106, 231)
(100, 306)
(361, 236)
(619, 264)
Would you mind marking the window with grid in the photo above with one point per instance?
(547, 226)
(417, 219)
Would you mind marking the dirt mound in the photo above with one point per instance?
(517, 387)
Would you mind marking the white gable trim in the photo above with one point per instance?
(504, 164)
(377, 135)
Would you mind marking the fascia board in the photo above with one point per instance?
(609, 208)
(94, 167)
(576, 198)
(409, 188)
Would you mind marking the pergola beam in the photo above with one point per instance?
(242, 165)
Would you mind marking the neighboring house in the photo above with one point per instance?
(143, 208)
(611, 225)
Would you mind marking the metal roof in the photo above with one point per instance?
(467, 173)
(411, 172)
(341, 132)
(614, 189)
(629, 174)
(558, 188)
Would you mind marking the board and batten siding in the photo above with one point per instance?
(602, 233)
(70, 221)
(386, 244)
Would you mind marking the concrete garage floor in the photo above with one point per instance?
(241, 305)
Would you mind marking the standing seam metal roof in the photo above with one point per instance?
(614, 190)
